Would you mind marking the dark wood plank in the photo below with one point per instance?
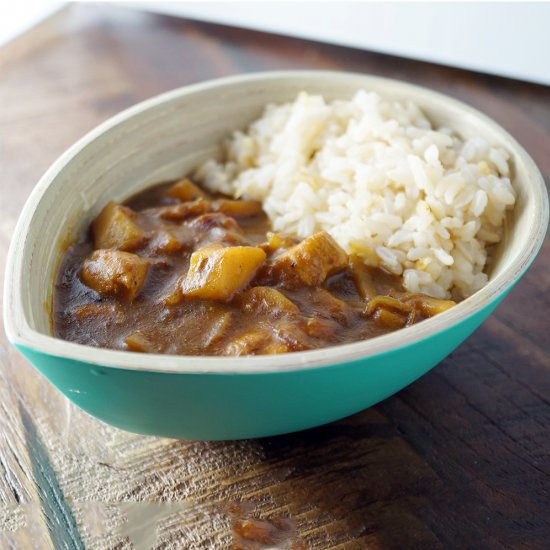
(460, 459)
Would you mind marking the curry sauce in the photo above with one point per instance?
(180, 271)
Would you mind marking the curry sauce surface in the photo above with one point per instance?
(152, 284)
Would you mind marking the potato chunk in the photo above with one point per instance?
(115, 228)
(309, 262)
(115, 273)
(216, 273)
(185, 190)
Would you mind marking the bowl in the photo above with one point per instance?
(215, 398)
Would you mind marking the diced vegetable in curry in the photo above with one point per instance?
(219, 272)
(178, 270)
(115, 273)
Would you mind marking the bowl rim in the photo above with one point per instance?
(21, 334)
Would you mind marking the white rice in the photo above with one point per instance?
(419, 201)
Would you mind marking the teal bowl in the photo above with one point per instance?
(214, 398)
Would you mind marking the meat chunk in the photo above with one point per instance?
(289, 332)
(212, 220)
(386, 310)
(388, 319)
(217, 330)
(166, 242)
(329, 306)
(185, 190)
(115, 228)
(217, 273)
(216, 228)
(179, 212)
(275, 241)
(281, 336)
(322, 328)
(310, 262)
(140, 342)
(426, 305)
(389, 312)
(362, 278)
(108, 313)
(238, 209)
(267, 300)
(199, 205)
(260, 341)
(115, 273)
(387, 303)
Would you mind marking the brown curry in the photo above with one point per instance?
(177, 270)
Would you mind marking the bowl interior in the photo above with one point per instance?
(166, 137)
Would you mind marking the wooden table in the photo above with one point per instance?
(460, 459)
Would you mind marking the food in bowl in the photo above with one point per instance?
(375, 174)
(177, 270)
(379, 220)
(214, 397)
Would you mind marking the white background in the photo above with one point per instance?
(509, 39)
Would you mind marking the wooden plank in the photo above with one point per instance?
(460, 459)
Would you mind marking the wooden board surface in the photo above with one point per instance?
(460, 459)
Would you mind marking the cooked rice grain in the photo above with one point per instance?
(421, 202)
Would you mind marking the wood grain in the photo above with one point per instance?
(460, 459)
